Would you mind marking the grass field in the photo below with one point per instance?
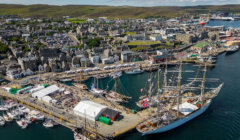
(75, 20)
(143, 43)
(109, 11)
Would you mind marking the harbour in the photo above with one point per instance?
(70, 123)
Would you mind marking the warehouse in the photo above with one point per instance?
(90, 110)
(46, 91)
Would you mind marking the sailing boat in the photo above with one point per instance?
(149, 101)
(79, 84)
(114, 96)
(168, 117)
(96, 91)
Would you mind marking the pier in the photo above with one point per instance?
(66, 118)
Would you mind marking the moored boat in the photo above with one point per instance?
(2, 121)
(180, 107)
(21, 123)
(232, 49)
(48, 123)
(134, 71)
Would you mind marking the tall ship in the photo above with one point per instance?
(177, 108)
(114, 96)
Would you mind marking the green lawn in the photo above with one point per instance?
(143, 43)
(201, 44)
(130, 33)
(75, 20)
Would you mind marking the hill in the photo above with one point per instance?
(108, 11)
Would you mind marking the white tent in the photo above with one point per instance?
(89, 109)
(186, 108)
(46, 91)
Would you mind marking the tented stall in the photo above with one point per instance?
(46, 91)
(90, 110)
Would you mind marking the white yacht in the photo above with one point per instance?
(22, 123)
(7, 118)
(134, 71)
(2, 121)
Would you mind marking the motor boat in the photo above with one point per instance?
(22, 123)
(134, 71)
(2, 121)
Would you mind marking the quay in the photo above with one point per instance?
(68, 119)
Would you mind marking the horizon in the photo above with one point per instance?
(130, 3)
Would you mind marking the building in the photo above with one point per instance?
(155, 37)
(89, 110)
(14, 74)
(111, 114)
(28, 63)
(125, 55)
(46, 91)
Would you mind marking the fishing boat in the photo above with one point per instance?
(176, 109)
(21, 123)
(232, 49)
(2, 121)
(134, 71)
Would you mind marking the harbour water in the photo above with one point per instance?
(220, 121)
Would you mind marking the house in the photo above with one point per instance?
(155, 37)
(159, 58)
(108, 60)
(14, 74)
(95, 59)
(125, 55)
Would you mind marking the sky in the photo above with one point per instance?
(124, 2)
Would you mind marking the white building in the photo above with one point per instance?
(95, 59)
(91, 110)
(155, 37)
(46, 91)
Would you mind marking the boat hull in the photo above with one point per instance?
(178, 122)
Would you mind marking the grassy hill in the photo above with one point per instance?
(109, 11)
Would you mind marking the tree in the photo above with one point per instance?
(3, 48)
(93, 42)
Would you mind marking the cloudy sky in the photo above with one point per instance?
(125, 2)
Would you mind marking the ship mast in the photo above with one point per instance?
(158, 93)
(179, 87)
(165, 76)
(203, 84)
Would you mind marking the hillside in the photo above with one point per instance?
(109, 11)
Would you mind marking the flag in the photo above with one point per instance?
(180, 55)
